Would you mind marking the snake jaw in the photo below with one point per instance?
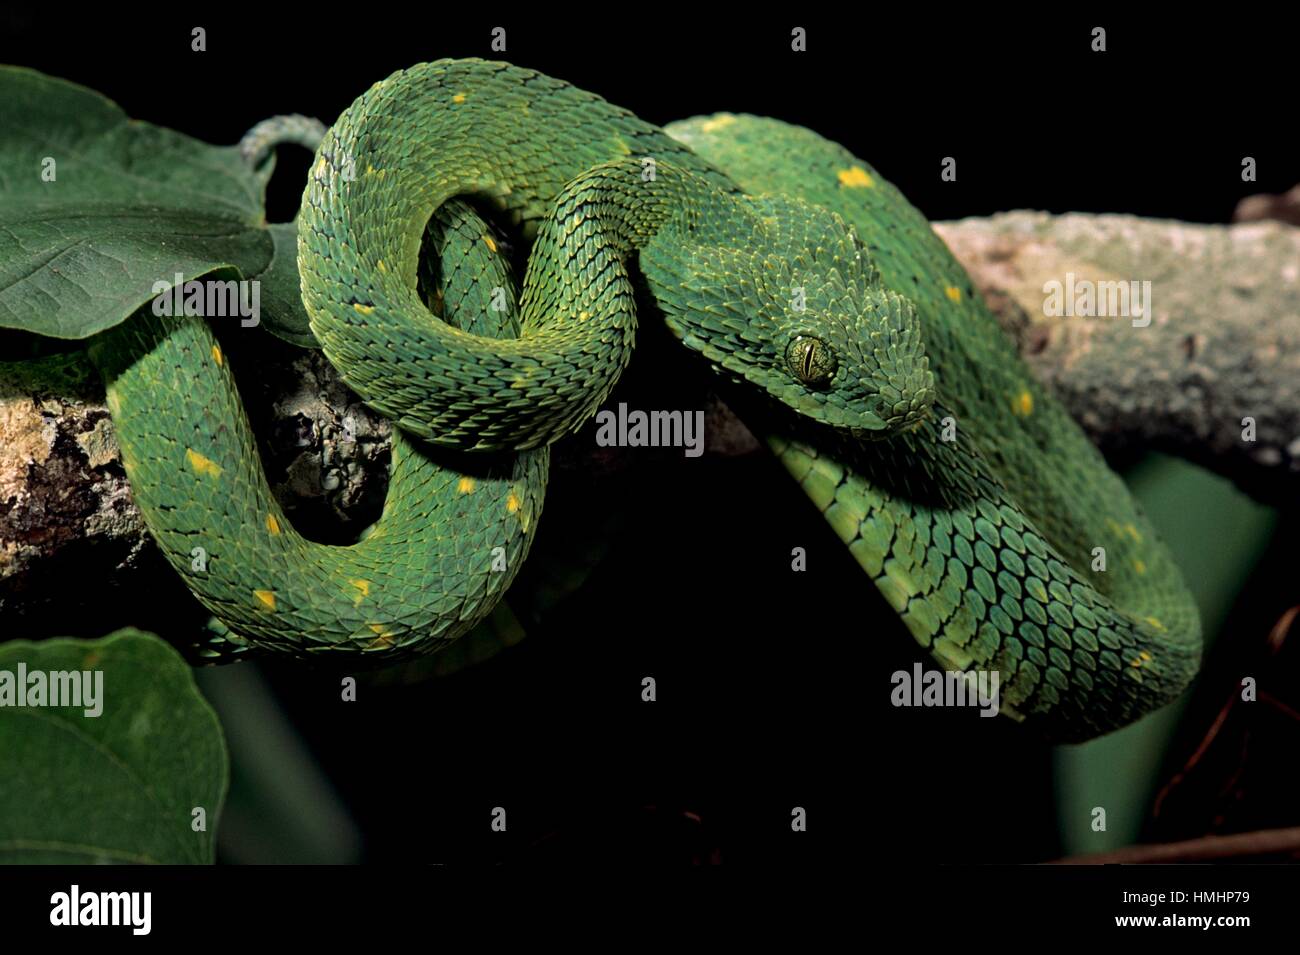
(873, 432)
(906, 423)
(875, 427)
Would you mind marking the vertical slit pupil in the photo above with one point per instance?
(809, 350)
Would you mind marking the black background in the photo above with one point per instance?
(771, 684)
(1155, 126)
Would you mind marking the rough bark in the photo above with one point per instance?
(1224, 344)
(1282, 208)
(65, 504)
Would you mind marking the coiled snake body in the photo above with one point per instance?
(963, 490)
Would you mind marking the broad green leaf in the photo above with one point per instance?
(118, 787)
(95, 208)
(282, 311)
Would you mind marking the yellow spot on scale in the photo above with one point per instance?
(202, 465)
(1155, 622)
(512, 503)
(370, 169)
(487, 240)
(855, 177)
(1141, 658)
(583, 316)
(458, 98)
(380, 265)
(1139, 566)
(216, 355)
(1023, 404)
(953, 292)
(465, 485)
(363, 309)
(1133, 533)
(363, 590)
(321, 167)
(621, 145)
(717, 123)
(383, 638)
(266, 598)
(272, 525)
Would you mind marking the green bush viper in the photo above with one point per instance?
(966, 493)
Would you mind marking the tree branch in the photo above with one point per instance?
(1264, 842)
(1224, 344)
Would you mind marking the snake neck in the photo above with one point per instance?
(510, 139)
(579, 288)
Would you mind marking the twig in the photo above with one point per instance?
(1204, 849)
(1177, 778)
(1276, 639)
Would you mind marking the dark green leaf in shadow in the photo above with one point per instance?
(282, 311)
(99, 208)
(122, 786)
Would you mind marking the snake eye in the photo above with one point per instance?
(811, 361)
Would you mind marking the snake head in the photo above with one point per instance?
(855, 363)
(782, 294)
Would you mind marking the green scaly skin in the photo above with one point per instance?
(425, 573)
(985, 544)
(749, 245)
